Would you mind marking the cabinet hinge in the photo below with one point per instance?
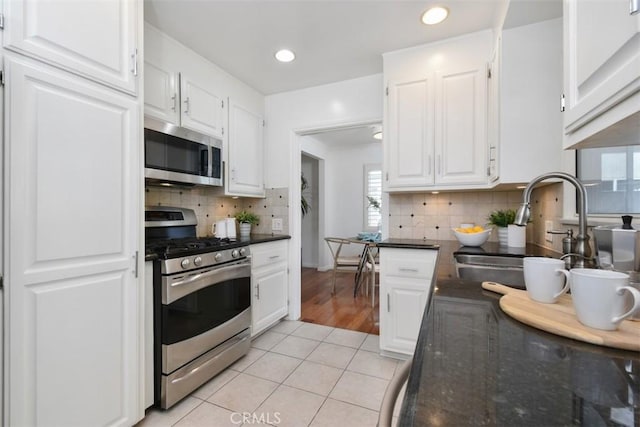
(489, 171)
(387, 91)
(1, 21)
(222, 102)
(2, 77)
(1, 282)
(387, 176)
(263, 124)
(134, 58)
(562, 103)
(488, 72)
(223, 131)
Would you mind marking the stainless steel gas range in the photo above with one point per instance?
(201, 292)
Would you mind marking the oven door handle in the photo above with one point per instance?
(173, 291)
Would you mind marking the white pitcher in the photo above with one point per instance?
(219, 229)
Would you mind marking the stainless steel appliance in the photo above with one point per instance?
(177, 155)
(618, 246)
(202, 303)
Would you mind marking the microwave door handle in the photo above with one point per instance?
(204, 162)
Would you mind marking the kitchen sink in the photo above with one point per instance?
(506, 270)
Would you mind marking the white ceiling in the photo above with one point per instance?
(333, 40)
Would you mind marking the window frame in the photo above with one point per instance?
(368, 168)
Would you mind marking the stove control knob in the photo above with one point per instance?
(185, 263)
(235, 253)
(217, 256)
(197, 261)
(243, 251)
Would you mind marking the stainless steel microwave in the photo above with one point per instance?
(173, 154)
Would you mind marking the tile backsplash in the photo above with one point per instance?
(211, 207)
(432, 216)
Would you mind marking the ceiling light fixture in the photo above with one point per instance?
(377, 135)
(435, 15)
(285, 55)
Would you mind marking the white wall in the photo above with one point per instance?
(531, 85)
(290, 114)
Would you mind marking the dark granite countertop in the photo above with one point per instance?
(409, 244)
(475, 365)
(493, 248)
(251, 240)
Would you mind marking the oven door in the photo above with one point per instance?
(201, 310)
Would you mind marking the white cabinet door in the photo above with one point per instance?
(460, 125)
(602, 60)
(48, 30)
(161, 98)
(245, 167)
(71, 210)
(202, 110)
(269, 284)
(403, 304)
(410, 134)
(269, 299)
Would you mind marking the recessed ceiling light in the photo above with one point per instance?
(435, 15)
(285, 55)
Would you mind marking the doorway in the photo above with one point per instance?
(334, 163)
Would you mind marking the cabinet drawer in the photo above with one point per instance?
(268, 253)
(411, 263)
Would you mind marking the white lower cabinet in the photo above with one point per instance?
(269, 282)
(405, 279)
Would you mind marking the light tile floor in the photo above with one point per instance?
(296, 374)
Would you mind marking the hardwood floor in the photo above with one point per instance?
(341, 310)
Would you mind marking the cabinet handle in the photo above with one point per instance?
(274, 256)
(634, 7)
(428, 165)
(173, 98)
(233, 174)
(186, 101)
(439, 164)
(411, 270)
(388, 304)
(258, 291)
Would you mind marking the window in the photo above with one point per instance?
(373, 196)
(611, 176)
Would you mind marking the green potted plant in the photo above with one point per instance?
(501, 218)
(246, 220)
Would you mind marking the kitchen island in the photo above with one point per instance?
(474, 365)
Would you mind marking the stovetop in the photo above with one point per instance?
(180, 247)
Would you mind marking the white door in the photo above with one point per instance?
(410, 134)
(460, 126)
(201, 108)
(48, 30)
(245, 167)
(70, 208)
(161, 98)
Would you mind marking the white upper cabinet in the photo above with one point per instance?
(435, 117)
(161, 98)
(602, 66)
(245, 168)
(202, 109)
(176, 98)
(48, 30)
(460, 125)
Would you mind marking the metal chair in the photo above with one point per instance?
(341, 263)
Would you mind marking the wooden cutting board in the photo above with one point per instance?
(560, 319)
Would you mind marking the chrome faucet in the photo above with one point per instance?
(582, 249)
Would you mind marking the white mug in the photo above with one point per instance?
(544, 279)
(219, 229)
(600, 297)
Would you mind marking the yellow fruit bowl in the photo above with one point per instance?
(472, 236)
